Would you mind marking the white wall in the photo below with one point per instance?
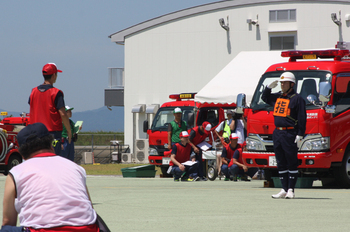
(183, 55)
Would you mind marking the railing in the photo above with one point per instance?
(100, 145)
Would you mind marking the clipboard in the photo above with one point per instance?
(77, 125)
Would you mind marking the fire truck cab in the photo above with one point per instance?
(323, 80)
(193, 113)
(9, 154)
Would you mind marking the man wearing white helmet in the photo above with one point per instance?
(290, 121)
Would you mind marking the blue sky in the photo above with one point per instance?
(74, 35)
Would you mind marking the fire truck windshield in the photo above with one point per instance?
(165, 115)
(307, 83)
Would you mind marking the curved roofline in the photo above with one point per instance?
(119, 37)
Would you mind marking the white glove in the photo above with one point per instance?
(298, 138)
(273, 84)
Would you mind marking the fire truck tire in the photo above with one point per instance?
(14, 160)
(212, 173)
(342, 174)
(164, 171)
(3, 145)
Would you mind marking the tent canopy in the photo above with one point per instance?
(241, 75)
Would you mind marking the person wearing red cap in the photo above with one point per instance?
(232, 163)
(47, 106)
(197, 135)
(180, 153)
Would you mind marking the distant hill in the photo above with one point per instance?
(100, 119)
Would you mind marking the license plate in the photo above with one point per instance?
(272, 161)
(312, 56)
(166, 160)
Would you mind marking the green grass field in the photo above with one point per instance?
(110, 169)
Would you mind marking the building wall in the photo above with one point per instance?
(184, 54)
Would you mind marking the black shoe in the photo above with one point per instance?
(204, 178)
(244, 178)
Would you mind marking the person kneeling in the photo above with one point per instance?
(232, 164)
(181, 153)
(47, 192)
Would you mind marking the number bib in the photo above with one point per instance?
(281, 107)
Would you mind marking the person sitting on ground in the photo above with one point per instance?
(180, 153)
(232, 164)
(47, 192)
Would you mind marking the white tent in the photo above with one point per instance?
(241, 75)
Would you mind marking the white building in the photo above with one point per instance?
(182, 51)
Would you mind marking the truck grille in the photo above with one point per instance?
(269, 148)
(266, 137)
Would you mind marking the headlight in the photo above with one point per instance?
(318, 144)
(253, 144)
(152, 151)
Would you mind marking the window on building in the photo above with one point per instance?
(283, 15)
(282, 42)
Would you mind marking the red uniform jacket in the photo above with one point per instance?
(43, 109)
(199, 137)
(183, 153)
(230, 152)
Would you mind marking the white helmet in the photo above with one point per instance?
(287, 76)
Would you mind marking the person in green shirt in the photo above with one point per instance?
(68, 148)
(175, 128)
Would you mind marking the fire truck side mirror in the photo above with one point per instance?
(241, 103)
(145, 126)
(190, 120)
(312, 99)
(325, 92)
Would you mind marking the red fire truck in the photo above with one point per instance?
(9, 128)
(323, 80)
(193, 113)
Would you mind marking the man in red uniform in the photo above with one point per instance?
(198, 134)
(47, 106)
(232, 164)
(181, 153)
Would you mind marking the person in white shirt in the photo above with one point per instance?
(46, 191)
(240, 127)
(227, 126)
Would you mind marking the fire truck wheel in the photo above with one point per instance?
(212, 173)
(342, 174)
(13, 161)
(164, 172)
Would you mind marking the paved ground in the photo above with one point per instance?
(155, 204)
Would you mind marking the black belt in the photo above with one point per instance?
(285, 128)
